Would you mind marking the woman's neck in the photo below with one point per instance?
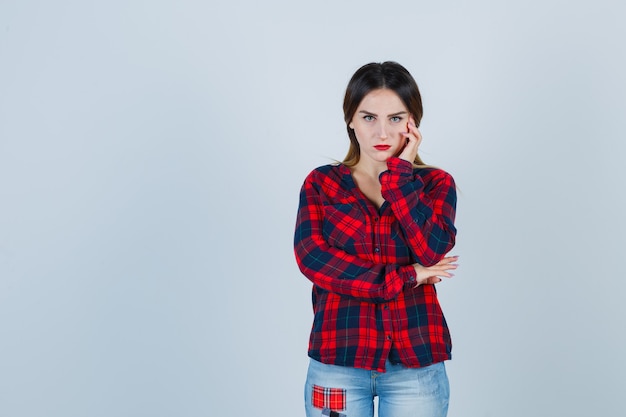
(372, 170)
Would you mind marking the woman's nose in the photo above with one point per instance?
(382, 131)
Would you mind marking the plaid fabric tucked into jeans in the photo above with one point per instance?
(359, 259)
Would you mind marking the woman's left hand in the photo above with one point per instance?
(414, 138)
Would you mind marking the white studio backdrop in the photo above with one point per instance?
(151, 155)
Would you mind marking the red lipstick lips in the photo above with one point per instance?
(382, 147)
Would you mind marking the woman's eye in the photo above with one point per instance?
(396, 119)
(368, 118)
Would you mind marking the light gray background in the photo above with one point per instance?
(151, 155)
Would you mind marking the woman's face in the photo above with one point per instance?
(378, 124)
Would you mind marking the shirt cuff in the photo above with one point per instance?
(400, 165)
(409, 275)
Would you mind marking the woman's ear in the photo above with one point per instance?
(351, 126)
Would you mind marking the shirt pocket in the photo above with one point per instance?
(344, 226)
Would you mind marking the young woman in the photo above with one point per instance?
(372, 234)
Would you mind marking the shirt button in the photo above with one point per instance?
(375, 219)
(388, 337)
(377, 249)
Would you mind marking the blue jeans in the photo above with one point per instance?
(339, 391)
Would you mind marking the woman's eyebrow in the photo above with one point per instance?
(389, 115)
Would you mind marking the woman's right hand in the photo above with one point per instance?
(434, 274)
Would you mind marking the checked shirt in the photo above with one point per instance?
(359, 259)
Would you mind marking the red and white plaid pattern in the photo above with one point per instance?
(331, 398)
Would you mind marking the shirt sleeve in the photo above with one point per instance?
(335, 270)
(424, 202)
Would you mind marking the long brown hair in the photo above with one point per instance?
(375, 76)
